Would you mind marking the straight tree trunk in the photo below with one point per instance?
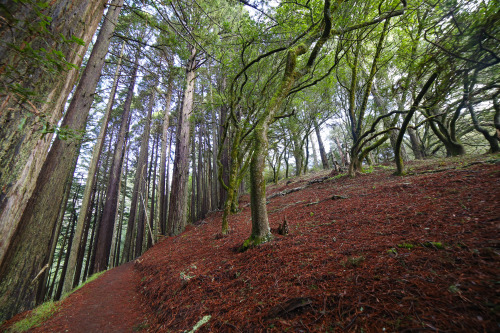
(119, 214)
(24, 146)
(163, 158)
(70, 242)
(29, 250)
(86, 209)
(177, 215)
(60, 218)
(120, 222)
(111, 201)
(152, 178)
(140, 181)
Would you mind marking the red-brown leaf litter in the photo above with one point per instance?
(388, 254)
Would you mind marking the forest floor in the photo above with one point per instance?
(372, 253)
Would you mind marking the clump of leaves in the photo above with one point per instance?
(352, 261)
(37, 317)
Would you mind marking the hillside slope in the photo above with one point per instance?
(412, 253)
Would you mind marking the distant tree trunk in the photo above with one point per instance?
(24, 146)
(83, 244)
(86, 209)
(140, 181)
(114, 177)
(406, 121)
(163, 159)
(68, 251)
(224, 166)
(60, 218)
(120, 222)
(322, 152)
(178, 201)
(119, 212)
(306, 145)
(152, 178)
(416, 144)
(194, 177)
(167, 188)
(492, 139)
(343, 158)
(59, 260)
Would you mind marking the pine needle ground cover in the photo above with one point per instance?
(371, 253)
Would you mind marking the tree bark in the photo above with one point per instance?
(111, 202)
(177, 215)
(322, 152)
(163, 158)
(86, 209)
(25, 127)
(406, 121)
(139, 191)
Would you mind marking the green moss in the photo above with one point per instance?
(254, 241)
(436, 245)
(406, 245)
(37, 317)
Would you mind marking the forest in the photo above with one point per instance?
(126, 124)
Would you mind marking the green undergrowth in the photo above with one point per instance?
(45, 311)
(39, 315)
(409, 246)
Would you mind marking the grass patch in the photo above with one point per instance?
(37, 317)
(406, 245)
(435, 245)
(90, 279)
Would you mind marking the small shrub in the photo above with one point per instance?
(352, 261)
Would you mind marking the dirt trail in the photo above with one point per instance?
(109, 304)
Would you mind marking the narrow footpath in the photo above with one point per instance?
(108, 304)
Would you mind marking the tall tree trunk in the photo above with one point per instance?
(163, 158)
(119, 212)
(60, 218)
(139, 193)
(177, 215)
(111, 202)
(194, 177)
(154, 158)
(86, 209)
(68, 251)
(120, 222)
(24, 145)
(30, 246)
